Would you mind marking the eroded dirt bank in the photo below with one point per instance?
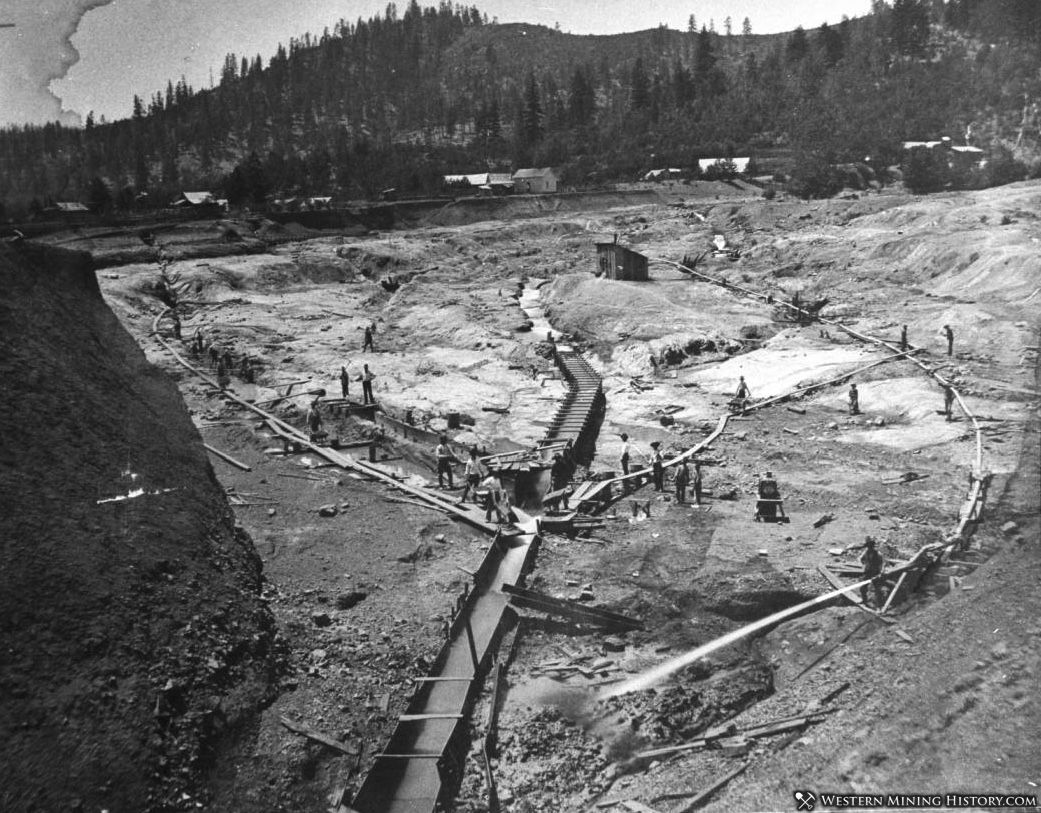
(135, 644)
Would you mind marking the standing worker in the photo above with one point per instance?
(497, 500)
(948, 401)
(473, 472)
(950, 339)
(314, 419)
(558, 473)
(682, 479)
(742, 395)
(873, 564)
(444, 463)
(367, 342)
(366, 386)
(658, 466)
(854, 400)
(627, 449)
(345, 382)
(223, 377)
(697, 483)
(903, 338)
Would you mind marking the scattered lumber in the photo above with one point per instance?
(907, 477)
(227, 458)
(300, 477)
(824, 520)
(851, 594)
(703, 796)
(903, 636)
(728, 733)
(317, 736)
(796, 410)
(569, 609)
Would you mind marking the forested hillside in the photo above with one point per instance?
(399, 100)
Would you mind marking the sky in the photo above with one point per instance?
(64, 58)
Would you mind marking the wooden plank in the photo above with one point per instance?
(892, 593)
(440, 679)
(835, 582)
(317, 736)
(227, 458)
(637, 807)
(415, 718)
(575, 613)
(607, 615)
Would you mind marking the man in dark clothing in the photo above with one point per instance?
(223, 377)
(873, 564)
(314, 420)
(345, 382)
(559, 475)
(681, 481)
(903, 338)
(948, 401)
(444, 462)
(950, 339)
(741, 396)
(854, 400)
(367, 343)
(697, 483)
(658, 466)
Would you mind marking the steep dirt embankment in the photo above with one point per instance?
(473, 210)
(133, 642)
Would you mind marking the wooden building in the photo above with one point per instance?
(534, 181)
(618, 262)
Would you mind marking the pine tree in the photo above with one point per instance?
(798, 46)
(639, 86)
(532, 114)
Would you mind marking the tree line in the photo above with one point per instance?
(401, 99)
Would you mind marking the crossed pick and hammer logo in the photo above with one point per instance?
(805, 800)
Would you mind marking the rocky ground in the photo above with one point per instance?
(360, 596)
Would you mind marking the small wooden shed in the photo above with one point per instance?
(618, 262)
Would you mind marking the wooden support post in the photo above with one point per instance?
(892, 593)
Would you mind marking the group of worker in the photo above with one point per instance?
(656, 460)
(365, 377)
(948, 334)
(480, 481)
(222, 362)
